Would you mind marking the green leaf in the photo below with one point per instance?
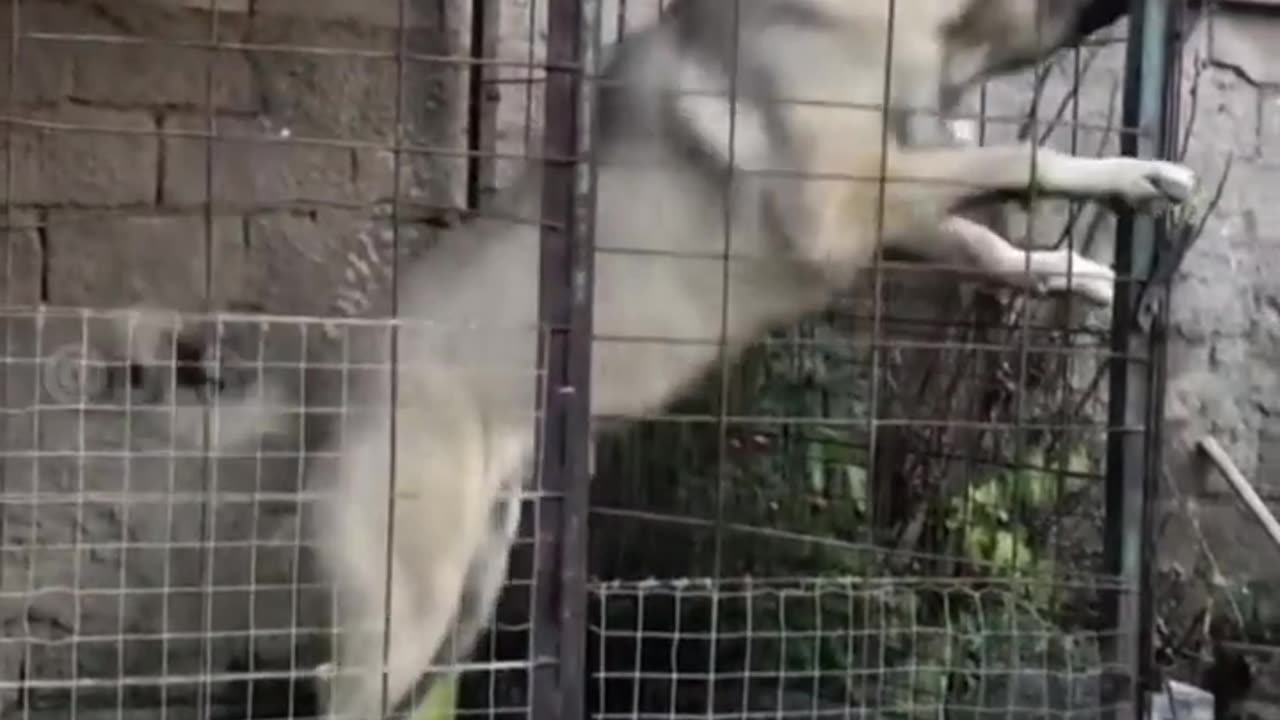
(1038, 489)
(1006, 549)
(986, 495)
(1079, 461)
(441, 701)
(856, 477)
(977, 542)
(816, 466)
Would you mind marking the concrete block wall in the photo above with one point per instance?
(114, 105)
(140, 165)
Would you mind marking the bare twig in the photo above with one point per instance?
(1217, 580)
(1243, 489)
(1193, 96)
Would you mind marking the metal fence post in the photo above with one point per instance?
(565, 304)
(1135, 411)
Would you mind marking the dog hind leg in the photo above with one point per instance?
(963, 242)
(486, 575)
(443, 498)
(420, 614)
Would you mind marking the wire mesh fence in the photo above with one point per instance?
(842, 647)
(926, 438)
(914, 502)
(158, 537)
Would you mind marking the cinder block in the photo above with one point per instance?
(100, 260)
(84, 156)
(367, 99)
(329, 262)
(198, 78)
(96, 59)
(43, 69)
(338, 94)
(222, 6)
(254, 166)
(431, 179)
(20, 259)
(371, 13)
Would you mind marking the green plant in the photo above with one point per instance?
(441, 702)
(996, 518)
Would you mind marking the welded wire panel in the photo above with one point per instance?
(843, 648)
(123, 589)
(198, 155)
(914, 397)
(157, 546)
(925, 426)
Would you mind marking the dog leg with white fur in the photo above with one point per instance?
(946, 177)
(941, 179)
(445, 485)
(485, 578)
(923, 188)
(486, 575)
(419, 618)
(961, 241)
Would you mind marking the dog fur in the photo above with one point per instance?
(664, 302)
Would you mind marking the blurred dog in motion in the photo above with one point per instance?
(418, 554)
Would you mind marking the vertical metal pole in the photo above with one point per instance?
(565, 304)
(1135, 408)
(481, 107)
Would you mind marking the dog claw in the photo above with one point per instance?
(1094, 283)
(1174, 182)
(1093, 290)
(1157, 181)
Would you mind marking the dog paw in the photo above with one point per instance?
(1156, 180)
(1090, 280)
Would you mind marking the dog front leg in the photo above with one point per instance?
(945, 178)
